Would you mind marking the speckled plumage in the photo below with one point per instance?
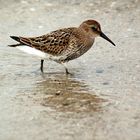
(65, 44)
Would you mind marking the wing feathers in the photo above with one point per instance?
(54, 43)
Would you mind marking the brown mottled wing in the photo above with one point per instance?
(54, 43)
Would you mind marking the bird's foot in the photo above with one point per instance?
(68, 73)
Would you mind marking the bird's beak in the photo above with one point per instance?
(106, 38)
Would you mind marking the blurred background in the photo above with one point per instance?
(100, 101)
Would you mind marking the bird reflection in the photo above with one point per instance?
(68, 94)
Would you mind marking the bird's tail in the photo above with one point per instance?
(14, 45)
(17, 39)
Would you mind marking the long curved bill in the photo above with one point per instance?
(106, 38)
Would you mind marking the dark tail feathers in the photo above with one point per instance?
(17, 39)
(15, 45)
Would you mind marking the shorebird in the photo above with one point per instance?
(62, 45)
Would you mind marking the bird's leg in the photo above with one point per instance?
(66, 69)
(41, 67)
(67, 72)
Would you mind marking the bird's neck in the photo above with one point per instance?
(86, 35)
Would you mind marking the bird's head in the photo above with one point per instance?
(94, 28)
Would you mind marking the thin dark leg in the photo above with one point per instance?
(41, 67)
(66, 69)
(67, 72)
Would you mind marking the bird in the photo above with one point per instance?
(62, 45)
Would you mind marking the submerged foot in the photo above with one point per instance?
(67, 72)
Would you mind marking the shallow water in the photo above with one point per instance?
(100, 100)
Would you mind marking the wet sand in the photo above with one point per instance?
(100, 101)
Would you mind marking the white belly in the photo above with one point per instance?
(32, 51)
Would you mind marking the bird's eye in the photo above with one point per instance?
(94, 28)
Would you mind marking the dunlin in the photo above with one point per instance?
(62, 45)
